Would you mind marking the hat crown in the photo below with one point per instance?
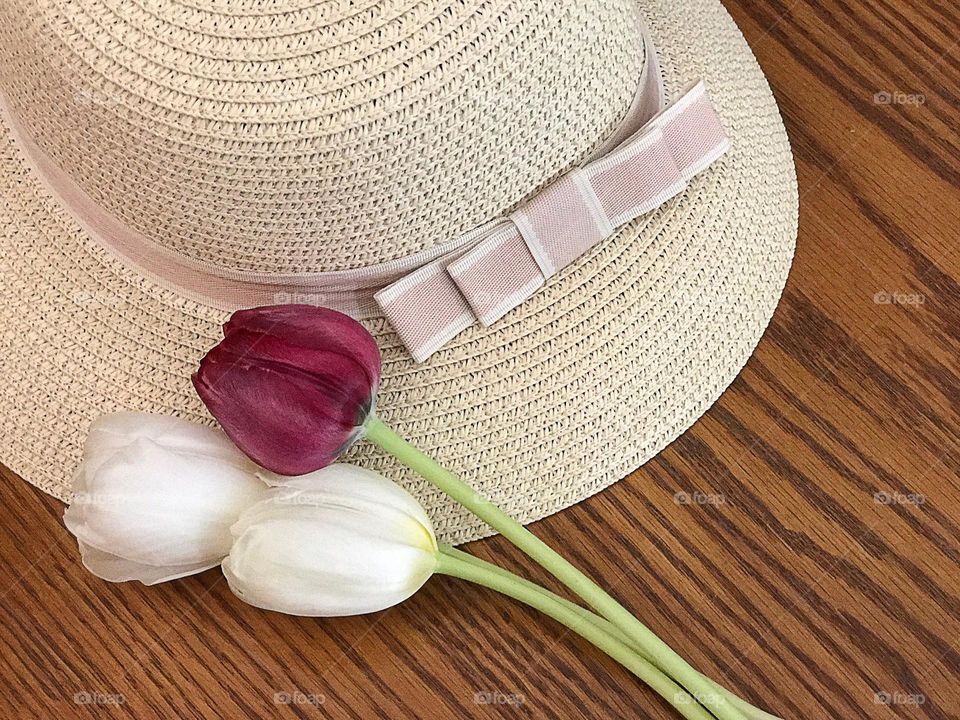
(299, 136)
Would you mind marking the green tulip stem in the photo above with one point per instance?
(754, 713)
(643, 638)
(453, 565)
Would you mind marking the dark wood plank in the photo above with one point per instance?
(816, 571)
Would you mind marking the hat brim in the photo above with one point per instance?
(606, 365)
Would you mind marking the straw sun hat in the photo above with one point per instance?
(165, 161)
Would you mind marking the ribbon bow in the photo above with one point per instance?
(502, 263)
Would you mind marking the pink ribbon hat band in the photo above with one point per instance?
(481, 275)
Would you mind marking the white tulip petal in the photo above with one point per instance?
(114, 431)
(273, 567)
(162, 508)
(155, 497)
(340, 541)
(117, 569)
(352, 484)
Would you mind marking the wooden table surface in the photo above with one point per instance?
(810, 560)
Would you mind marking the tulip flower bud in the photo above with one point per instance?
(339, 541)
(155, 496)
(292, 385)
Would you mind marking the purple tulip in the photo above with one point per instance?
(292, 385)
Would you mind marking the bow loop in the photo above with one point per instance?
(498, 274)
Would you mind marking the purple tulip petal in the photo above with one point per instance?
(291, 385)
(333, 375)
(312, 327)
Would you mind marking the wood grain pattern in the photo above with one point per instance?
(814, 565)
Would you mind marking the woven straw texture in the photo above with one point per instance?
(364, 132)
(608, 363)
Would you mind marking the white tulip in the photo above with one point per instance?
(338, 541)
(155, 496)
